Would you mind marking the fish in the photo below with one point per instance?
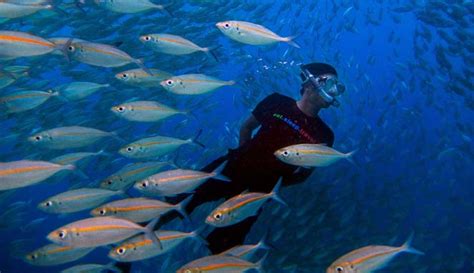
(246, 252)
(13, 10)
(127, 6)
(144, 111)
(140, 248)
(79, 90)
(131, 173)
(193, 84)
(14, 44)
(311, 155)
(139, 77)
(101, 55)
(25, 100)
(100, 231)
(370, 258)
(174, 182)
(91, 268)
(74, 158)
(242, 206)
(22, 173)
(53, 254)
(252, 34)
(151, 147)
(173, 44)
(77, 200)
(220, 264)
(139, 209)
(10, 74)
(68, 137)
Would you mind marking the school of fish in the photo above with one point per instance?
(110, 107)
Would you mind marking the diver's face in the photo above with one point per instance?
(313, 95)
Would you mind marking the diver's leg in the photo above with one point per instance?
(221, 239)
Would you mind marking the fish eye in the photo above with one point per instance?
(339, 269)
(121, 251)
(147, 38)
(124, 75)
(49, 204)
(285, 153)
(102, 212)
(226, 25)
(62, 234)
(169, 82)
(120, 108)
(33, 256)
(38, 138)
(144, 184)
(71, 48)
(129, 149)
(218, 216)
(109, 182)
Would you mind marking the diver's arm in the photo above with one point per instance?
(247, 128)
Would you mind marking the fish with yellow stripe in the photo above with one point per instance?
(193, 84)
(139, 209)
(252, 34)
(174, 182)
(77, 200)
(173, 45)
(79, 90)
(53, 254)
(370, 258)
(311, 155)
(220, 264)
(16, 10)
(246, 252)
(68, 137)
(140, 248)
(140, 77)
(25, 100)
(129, 6)
(242, 206)
(100, 231)
(22, 173)
(144, 111)
(14, 44)
(156, 146)
(102, 55)
(131, 173)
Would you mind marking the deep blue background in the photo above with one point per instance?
(412, 128)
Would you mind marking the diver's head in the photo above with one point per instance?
(320, 84)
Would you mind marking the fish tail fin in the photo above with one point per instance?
(150, 233)
(263, 243)
(231, 82)
(259, 264)
(406, 247)
(211, 51)
(196, 234)
(290, 41)
(181, 207)
(195, 139)
(165, 8)
(276, 191)
(217, 171)
(348, 156)
(139, 63)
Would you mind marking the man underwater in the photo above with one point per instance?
(253, 165)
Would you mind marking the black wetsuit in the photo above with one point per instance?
(254, 167)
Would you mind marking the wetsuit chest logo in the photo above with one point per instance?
(295, 127)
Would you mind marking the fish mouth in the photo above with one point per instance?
(220, 24)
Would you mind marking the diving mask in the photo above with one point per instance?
(328, 86)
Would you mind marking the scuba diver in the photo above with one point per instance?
(253, 166)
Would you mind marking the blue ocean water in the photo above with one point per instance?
(408, 110)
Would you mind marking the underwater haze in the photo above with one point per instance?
(408, 111)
